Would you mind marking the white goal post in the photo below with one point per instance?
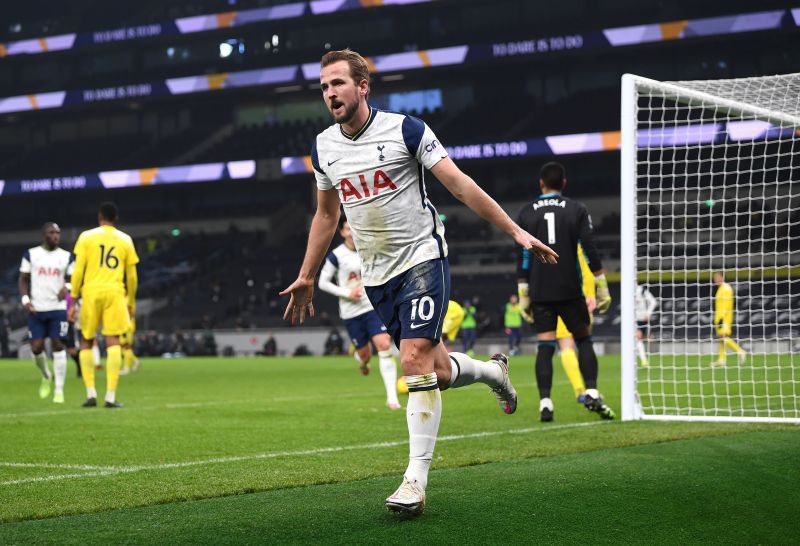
(710, 188)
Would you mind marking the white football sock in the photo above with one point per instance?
(41, 362)
(641, 350)
(423, 413)
(91, 392)
(111, 396)
(467, 370)
(545, 403)
(389, 375)
(593, 393)
(60, 369)
(96, 354)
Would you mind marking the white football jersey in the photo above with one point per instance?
(49, 270)
(644, 303)
(345, 265)
(378, 174)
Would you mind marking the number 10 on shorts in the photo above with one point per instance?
(423, 307)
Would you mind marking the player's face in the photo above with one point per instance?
(52, 236)
(339, 91)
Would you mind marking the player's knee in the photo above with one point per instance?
(416, 357)
(58, 345)
(412, 363)
(37, 346)
(546, 336)
(566, 344)
(382, 342)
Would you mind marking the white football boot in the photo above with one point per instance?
(505, 392)
(409, 498)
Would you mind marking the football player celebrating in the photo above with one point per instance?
(372, 162)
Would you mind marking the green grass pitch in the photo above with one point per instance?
(299, 450)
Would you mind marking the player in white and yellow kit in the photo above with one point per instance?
(105, 269)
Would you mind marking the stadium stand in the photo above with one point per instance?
(229, 278)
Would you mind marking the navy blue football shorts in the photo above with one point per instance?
(52, 324)
(363, 327)
(413, 304)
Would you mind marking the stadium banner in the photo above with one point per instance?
(189, 25)
(553, 145)
(205, 172)
(603, 141)
(413, 60)
(578, 143)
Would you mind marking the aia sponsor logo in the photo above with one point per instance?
(366, 188)
(48, 271)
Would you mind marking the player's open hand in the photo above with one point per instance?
(300, 293)
(30, 309)
(544, 253)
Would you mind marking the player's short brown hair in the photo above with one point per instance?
(359, 69)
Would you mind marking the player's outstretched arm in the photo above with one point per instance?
(468, 192)
(323, 226)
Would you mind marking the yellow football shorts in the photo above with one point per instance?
(107, 308)
(561, 329)
(127, 337)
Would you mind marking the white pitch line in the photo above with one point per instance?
(110, 471)
(54, 465)
(189, 405)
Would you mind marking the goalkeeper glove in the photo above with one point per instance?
(524, 302)
(603, 296)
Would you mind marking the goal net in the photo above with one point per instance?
(711, 184)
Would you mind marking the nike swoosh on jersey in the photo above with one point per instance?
(415, 326)
(332, 162)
